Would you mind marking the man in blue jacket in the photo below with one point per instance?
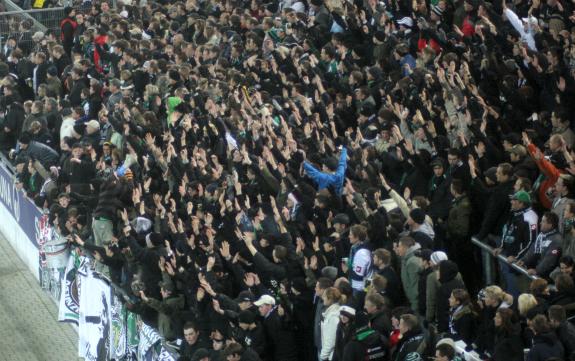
(324, 179)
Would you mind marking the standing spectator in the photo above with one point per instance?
(359, 261)
(67, 27)
(279, 335)
(448, 283)
(410, 267)
(329, 322)
(543, 255)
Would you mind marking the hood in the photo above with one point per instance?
(447, 271)
(410, 252)
(427, 228)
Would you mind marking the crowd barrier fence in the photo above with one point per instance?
(85, 298)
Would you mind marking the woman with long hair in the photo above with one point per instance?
(461, 318)
(508, 345)
(329, 322)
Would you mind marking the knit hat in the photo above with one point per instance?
(341, 218)
(437, 257)
(424, 254)
(246, 316)
(491, 174)
(418, 215)
(437, 10)
(329, 272)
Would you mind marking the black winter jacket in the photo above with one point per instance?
(545, 346)
(448, 280)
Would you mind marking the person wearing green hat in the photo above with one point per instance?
(518, 233)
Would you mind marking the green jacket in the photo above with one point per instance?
(459, 218)
(410, 267)
(167, 309)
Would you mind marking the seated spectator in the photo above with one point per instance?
(545, 342)
(564, 329)
(461, 318)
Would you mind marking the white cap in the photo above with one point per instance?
(531, 20)
(265, 300)
(437, 257)
(347, 310)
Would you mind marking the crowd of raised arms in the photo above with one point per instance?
(301, 180)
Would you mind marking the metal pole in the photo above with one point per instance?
(489, 250)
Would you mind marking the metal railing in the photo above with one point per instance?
(487, 253)
(38, 20)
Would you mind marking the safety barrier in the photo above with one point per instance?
(487, 254)
(105, 325)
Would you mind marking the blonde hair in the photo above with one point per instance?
(497, 294)
(333, 295)
(526, 302)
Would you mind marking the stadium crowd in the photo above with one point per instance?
(301, 180)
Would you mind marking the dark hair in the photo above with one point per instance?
(563, 282)
(557, 313)
(446, 350)
(457, 185)
(507, 316)
(191, 325)
(461, 295)
(506, 169)
(280, 252)
(567, 260)
(324, 283)
(540, 324)
(552, 218)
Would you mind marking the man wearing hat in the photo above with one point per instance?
(252, 334)
(280, 337)
(518, 233)
(167, 308)
(439, 196)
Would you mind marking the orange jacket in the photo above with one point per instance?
(549, 171)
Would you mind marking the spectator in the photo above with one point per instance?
(545, 343)
(280, 338)
(330, 319)
(564, 329)
(508, 343)
(410, 267)
(543, 255)
(461, 319)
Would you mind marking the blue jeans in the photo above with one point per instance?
(510, 279)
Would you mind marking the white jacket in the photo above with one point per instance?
(330, 320)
